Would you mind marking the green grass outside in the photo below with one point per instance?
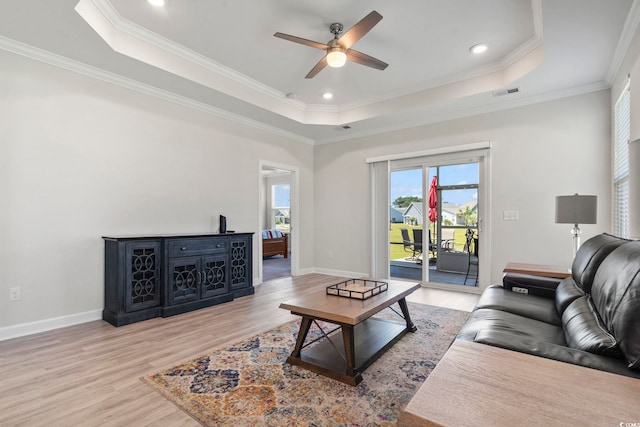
(396, 249)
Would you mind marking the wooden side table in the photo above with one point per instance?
(480, 385)
(543, 270)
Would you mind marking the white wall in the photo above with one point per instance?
(81, 159)
(538, 152)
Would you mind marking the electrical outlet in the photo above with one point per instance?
(520, 290)
(14, 294)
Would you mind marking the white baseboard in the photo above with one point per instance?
(30, 328)
(303, 271)
(329, 272)
(25, 329)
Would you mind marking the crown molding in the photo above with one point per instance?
(626, 37)
(474, 111)
(58, 61)
(137, 42)
(134, 30)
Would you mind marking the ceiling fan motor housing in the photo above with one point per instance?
(336, 29)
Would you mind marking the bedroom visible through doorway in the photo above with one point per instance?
(275, 237)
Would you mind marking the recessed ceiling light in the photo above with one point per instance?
(327, 95)
(478, 48)
(157, 3)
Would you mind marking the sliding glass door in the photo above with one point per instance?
(433, 219)
(406, 223)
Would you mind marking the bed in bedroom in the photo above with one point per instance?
(275, 242)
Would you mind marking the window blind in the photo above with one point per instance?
(622, 123)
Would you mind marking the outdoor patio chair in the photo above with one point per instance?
(448, 239)
(433, 247)
(410, 246)
(417, 242)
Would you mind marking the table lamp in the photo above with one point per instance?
(576, 210)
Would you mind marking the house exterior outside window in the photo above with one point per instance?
(280, 207)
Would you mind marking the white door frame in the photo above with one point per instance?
(294, 201)
(452, 155)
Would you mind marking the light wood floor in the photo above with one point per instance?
(89, 374)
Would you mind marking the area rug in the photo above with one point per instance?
(249, 383)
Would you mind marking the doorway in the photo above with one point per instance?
(277, 238)
(436, 207)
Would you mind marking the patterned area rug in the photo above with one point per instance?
(248, 383)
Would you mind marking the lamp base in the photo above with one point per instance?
(575, 232)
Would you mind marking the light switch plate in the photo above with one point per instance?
(511, 215)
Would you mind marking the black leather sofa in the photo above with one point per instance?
(591, 318)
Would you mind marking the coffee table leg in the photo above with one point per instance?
(405, 312)
(349, 348)
(354, 376)
(305, 324)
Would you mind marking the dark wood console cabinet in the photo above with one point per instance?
(151, 276)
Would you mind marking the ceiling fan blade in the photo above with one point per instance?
(356, 32)
(364, 59)
(301, 41)
(317, 68)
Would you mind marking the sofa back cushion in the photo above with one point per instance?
(616, 296)
(584, 330)
(590, 255)
(567, 292)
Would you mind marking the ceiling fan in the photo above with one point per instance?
(338, 50)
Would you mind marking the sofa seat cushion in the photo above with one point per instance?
(531, 306)
(521, 344)
(483, 319)
(566, 293)
(584, 330)
(616, 297)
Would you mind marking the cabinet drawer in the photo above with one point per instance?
(190, 247)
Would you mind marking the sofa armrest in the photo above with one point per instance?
(534, 285)
(515, 342)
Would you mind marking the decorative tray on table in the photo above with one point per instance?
(357, 288)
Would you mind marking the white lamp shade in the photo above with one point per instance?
(576, 209)
(336, 58)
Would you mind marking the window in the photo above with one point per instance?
(622, 121)
(281, 207)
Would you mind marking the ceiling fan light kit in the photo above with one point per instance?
(336, 58)
(338, 50)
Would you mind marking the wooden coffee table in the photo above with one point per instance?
(363, 338)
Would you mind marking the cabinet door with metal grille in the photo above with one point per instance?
(142, 275)
(184, 280)
(214, 275)
(240, 260)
